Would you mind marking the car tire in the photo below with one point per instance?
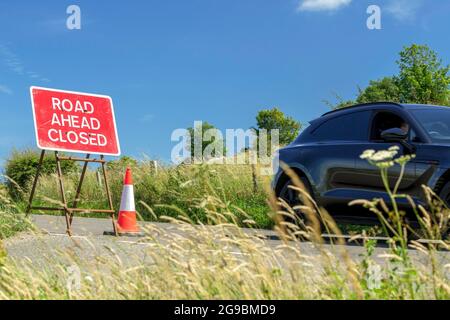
(445, 196)
(290, 196)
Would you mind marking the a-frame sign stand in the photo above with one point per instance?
(66, 210)
(80, 123)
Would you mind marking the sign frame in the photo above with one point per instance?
(74, 150)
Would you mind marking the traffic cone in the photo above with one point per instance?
(126, 223)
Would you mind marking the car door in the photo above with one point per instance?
(426, 163)
(334, 152)
(367, 177)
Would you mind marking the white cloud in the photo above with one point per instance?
(322, 5)
(13, 62)
(5, 89)
(404, 10)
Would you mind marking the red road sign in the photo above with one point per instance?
(74, 122)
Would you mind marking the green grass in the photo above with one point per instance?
(186, 188)
(12, 223)
(12, 218)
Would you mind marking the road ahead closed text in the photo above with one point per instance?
(77, 122)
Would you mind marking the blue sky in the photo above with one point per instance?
(168, 63)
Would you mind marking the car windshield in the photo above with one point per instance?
(436, 122)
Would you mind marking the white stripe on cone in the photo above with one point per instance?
(127, 201)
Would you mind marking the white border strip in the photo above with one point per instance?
(127, 199)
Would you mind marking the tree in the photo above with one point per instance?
(341, 103)
(209, 138)
(276, 119)
(385, 89)
(422, 77)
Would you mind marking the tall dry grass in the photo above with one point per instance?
(228, 262)
(223, 261)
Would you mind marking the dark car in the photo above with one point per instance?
(326, 155)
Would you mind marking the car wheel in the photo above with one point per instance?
(445, 194)
(293, 199)
(290, 196)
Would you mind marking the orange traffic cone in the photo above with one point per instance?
(126, 223)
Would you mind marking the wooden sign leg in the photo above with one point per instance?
(63, 195)
(80, 183)
(33, 189)
(108, 193)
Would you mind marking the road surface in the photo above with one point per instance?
(88, 244)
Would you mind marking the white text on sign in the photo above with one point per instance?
(76, 122)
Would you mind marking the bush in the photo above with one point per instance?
(122, 164)
(21, 166)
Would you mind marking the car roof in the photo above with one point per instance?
(373, 105)
(411, 106)
(360, 107)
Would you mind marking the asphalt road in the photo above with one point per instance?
(89, 245)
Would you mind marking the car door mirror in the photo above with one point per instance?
(394, 135)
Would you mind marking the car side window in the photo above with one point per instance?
(387, 120)
(352, 127)
(413, 137)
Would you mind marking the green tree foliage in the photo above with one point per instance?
(275, 119)
(21, 166)
(122, 164)
(422, 78)
(207, 136)
(385, 89)
(340, 104)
